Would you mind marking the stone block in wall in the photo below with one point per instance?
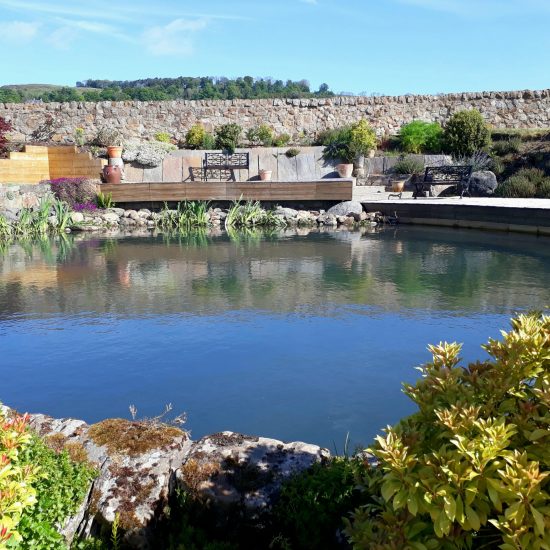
(191, 160)
(306, 167)
(152, 174)
(133, 173)
(374, 165)
(286, 167)
(172, 169)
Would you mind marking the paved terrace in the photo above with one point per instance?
(518, 215)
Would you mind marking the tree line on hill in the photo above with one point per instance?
(161, 89)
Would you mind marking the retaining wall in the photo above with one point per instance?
(515, 109)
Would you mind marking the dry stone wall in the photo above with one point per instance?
(519, 109)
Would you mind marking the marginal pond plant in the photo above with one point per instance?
(470, 468)
(188, 214)
(251, 214)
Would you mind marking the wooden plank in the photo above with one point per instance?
(266, 191)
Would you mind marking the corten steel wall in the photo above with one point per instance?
(520, 109)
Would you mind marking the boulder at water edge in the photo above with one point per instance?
(483, 183)
(346, 208)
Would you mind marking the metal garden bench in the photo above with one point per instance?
(445, 175)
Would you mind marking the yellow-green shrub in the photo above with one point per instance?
(471, 466)
(16, 491)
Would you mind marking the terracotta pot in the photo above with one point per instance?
(344, 170)
(114, 151)
(265, 175)
(112, 174)
(398, 185)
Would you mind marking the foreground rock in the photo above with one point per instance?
(142, 464)
(232, 469)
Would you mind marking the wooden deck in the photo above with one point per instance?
(321, 190)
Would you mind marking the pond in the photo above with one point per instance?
(297, 335)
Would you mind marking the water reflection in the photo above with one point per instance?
(296, 335)
(202, 272)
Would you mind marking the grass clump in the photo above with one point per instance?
(251, 214)
(187, 215)
(133, 437)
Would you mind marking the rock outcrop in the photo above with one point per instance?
(141, 464)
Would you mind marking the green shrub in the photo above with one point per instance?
(534, 175)
(408, 165)
(470, 468)
(60, 490)
(260, 135)
(17, 476)
(465, 133)
(516, 187)
(195, 136)
(421, 137)
(363, 138)
(543, 189)
(311, 506)
(507, 146)
(281, 140)
(228, 136)
(163, 137)
(337, 144)
(208, 142)
(292, 152)
(348, 142)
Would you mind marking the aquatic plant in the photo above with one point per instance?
(187, 214)
(62, 214)
(250, 214)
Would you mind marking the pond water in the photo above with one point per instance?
(300, 335)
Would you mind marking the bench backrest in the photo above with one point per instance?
(224, 161)
(447, 174)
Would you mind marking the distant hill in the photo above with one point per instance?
(160, 89)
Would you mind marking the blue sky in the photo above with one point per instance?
(381, 46)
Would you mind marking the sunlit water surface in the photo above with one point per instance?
(293, 336)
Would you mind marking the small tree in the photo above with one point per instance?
(466, 133)
(363, 138)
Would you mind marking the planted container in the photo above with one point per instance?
(112, 173)
(114, 151)
(344, 170)
(265, 175)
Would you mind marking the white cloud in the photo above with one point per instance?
(62, 37)
(175, 38)
(95, 27)
(18, 32)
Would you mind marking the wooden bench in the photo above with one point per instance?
(445, 175)
(221, 166)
